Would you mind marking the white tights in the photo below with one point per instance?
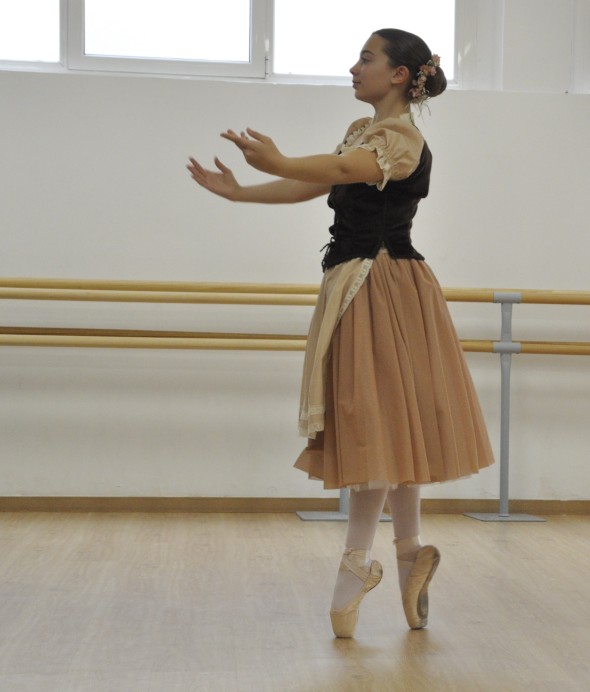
(363, 518)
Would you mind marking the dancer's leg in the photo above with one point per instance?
(364, 512)
(404, 505)
(363, 517)
(415, 564)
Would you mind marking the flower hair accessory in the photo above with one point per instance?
(419, 90)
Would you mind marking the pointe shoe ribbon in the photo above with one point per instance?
(344, 620)
(415, 593)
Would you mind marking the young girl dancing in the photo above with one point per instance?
(387, 402)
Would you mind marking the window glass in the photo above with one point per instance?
(169, 29)
(324, 37)
(29, 30)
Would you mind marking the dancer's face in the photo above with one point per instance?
(372, 75)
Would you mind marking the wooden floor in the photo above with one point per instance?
(238, 602)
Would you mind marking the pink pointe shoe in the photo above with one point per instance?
(415, 593)
(344, 620)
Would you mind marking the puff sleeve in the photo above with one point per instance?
(398, 144)
(355, 129)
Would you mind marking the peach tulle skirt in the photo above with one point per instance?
(400, 406)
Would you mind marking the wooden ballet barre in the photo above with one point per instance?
(158, 292)
(557, 348)
(185, 343)
(104, 338)
(158, 286)
(227, 294)
(488, 295)
(138, 291)
(86, 331)
(151, 339)
(170, 296)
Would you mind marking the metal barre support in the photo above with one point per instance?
(506, 347)
(340, 515)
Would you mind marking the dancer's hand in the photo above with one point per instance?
(259, 150)
(223, 184)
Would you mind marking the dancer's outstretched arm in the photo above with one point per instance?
(224, 184)
(355, 166)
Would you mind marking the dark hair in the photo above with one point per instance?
(404, 48)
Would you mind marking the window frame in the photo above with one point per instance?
(479, 33)
(478, 68)
(297, 78)
(581, 64)
(78, 61)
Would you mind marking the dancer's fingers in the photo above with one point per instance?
(221, 166)
(257, 135)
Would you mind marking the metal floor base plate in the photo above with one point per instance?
(330, 516)
(502, 517)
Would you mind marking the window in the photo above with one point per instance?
(282, 39)
(174, 30)
(29, 30)
(225, 37)
(329, 44)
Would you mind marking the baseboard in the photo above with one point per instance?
(269, 505)
(167, 504)
(539, 507)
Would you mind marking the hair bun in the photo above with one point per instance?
(404, 48)
(437, 83)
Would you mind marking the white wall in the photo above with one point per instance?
(93, 185)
